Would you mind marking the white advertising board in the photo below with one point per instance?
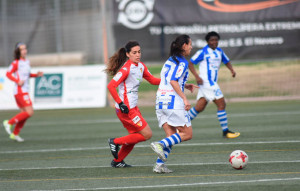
(61, 87)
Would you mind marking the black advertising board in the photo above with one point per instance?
(256, 29)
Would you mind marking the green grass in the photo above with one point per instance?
(283, 73)
(67, 149)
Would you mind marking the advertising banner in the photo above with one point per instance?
(48, 88)
(60, 88)
(255, 29)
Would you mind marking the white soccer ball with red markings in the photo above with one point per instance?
(238, 159)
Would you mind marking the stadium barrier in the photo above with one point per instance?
(61, 87)
(56, 59)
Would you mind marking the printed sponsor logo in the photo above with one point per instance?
(135, 14)
(218, 92)
(218, 6)
(136, 119)
(48, 87)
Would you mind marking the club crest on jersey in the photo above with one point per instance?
(137, 120)
(140, 123)
(180, 70)
(117, 76)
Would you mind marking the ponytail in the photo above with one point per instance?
(176, 46)
(17, 51)
(116, 61)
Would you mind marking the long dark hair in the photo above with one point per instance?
(119, 58)
(176, 46)
(17, 52)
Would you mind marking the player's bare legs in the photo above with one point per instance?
(220, 103)
(201, 104)
(146, 132)
(28, 109)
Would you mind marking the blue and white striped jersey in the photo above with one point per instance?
(210, 61)
(166, 97)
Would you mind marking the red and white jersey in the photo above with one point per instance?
(128, 80)
(20, 70)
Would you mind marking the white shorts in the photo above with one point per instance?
(175, 118)
(210, 93)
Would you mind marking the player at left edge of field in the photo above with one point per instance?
(19, 72)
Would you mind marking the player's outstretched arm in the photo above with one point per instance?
(229, 66)
(194, 72)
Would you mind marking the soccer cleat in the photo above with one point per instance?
(7, 127)
(230, 134)
(158, 149)
(114, 148)
(161, 169)
(121, 164)
(16, 138)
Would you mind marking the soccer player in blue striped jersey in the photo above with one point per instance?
(171, 102)
(209, 59)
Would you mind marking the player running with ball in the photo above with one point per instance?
(171, 102)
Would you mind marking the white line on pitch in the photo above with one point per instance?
(147, 165)
(115, 120)
(145, 146)
(178, 185)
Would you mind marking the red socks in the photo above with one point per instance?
(130, 139)
(127, 143)
(18, 127)
(19, 120)
(125, 150)
(19, 117)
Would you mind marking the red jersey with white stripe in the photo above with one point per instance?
(20, 70)
(128, 80)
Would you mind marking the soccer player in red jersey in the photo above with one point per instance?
(128, 71)
(19, 72)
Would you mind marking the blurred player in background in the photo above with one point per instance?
(171, 102)
(19, 72)
(128, 71)
(209, 59)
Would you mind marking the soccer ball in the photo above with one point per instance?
(238, 159)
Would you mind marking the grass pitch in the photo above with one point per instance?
(67, 150)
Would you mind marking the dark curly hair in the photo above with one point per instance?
(210, 34)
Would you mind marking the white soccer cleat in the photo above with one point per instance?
(16, 138)
(161, 169)
(158, 148)
(7, 127)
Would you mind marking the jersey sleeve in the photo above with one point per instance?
(197, 57)
(116, 81)
(12, 69)
(33, 75)
(149, 77)
(225, 58)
